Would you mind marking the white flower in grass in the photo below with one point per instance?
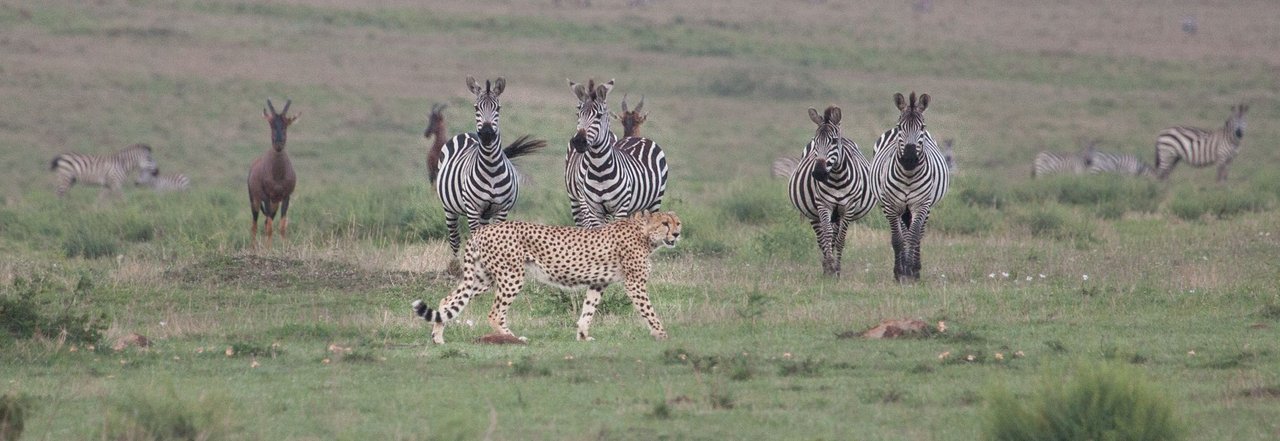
(1085, 277)
(991, 276)
(1004, 274)
(1042, 276)
(1028, 278)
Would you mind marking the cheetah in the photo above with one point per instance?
(565, 257)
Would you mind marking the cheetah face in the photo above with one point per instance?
(663, 229)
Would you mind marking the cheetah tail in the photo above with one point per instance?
(421, 310)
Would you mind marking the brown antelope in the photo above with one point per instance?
(435, 127)
(631, 119)
(271, 177)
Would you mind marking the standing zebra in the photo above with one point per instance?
(109, 171)
(607, 177)
(912, 176)
(1104, 162)
(1200, 147)
(476, 178)
(831, 185)
(159, 182)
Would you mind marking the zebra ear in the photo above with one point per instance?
(579, 90)
(901, 101)
(603, 90)
(472, 86)
(499, 85)
(832, 115)
(814, 116)
(924, 102)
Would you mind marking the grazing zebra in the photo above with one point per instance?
(476, 179)
(631, 119)
(1076, 163)
(607, 177)
(912, 176)
(831, 186)
(110, 171)
(1200, 147)
(159, 182)
(1103, 162)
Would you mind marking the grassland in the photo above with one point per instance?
(1177, 279)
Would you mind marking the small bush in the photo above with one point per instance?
(140, 416)
(13, 414)
(1059, 223)
(22, 316)
(1101, 402)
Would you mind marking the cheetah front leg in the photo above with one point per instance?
(594, 293)
(639, 297)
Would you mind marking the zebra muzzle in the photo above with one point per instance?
(487, 134)
(579, 141)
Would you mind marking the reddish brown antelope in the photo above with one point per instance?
(631, 119)
(435, 127)
(271, 177)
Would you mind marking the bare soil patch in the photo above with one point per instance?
(283, 272)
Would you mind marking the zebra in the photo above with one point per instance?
(109, 171)
(607, 177)
(831, 185)
(911, 175)
(476, 178)
(1076, 163)
(1200, 147)
(1104, 162)
(167, 182)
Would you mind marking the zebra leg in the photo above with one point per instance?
(1164, 164)
(594, 293)
(841, 229)
(914, 237)
(510, 279)
(896, 231)
(1222, 170)
(451, 223)
(822, 228)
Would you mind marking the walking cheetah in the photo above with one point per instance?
(566, 257)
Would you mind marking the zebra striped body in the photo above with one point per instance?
(1103, 162)
(476, 179)
(110, 171)
(607, 177)
(164, 182)
(1050, 163)
(911, 175)
(831, 186)
(1199, 147)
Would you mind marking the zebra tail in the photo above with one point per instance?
(523, 146)
(54, 164)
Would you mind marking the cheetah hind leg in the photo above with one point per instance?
(588, 312)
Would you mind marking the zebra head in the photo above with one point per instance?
(1235, 125)
(826, 142)
(138, 155)
(911, 128)
(279, 123)
(435, 121)
(487, 108)
(593, 114)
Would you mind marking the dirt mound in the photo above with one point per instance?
(281, 272)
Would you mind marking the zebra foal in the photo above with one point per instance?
(911, 176)
(163, 182)
(109, 171)
(831, 186)
(1200, 147)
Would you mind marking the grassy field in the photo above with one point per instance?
(315, 340)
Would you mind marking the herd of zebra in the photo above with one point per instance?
(1199, 147)
(609, 177)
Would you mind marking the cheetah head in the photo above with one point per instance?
(663, 228)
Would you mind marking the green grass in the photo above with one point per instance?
(313, 338)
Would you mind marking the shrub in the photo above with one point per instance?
(1059, 223)
(1101, 402)
(13, 413)
(22, 316)
(140, 416)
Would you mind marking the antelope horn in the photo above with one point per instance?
(624, 103)
(272, 107)
(638, 106)
(287, 102)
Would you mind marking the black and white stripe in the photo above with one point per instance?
(1117, 163)
(607, 177)
(476, 179)
(110, 171)
(1051, 163)
(1199, 147)
(912, 176)
(163, 182)
(832, 186)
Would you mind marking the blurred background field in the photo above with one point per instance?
(1178, 279)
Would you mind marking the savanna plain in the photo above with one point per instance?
(314, 339)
